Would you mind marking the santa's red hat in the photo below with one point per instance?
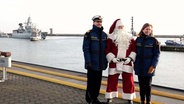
(115, 24)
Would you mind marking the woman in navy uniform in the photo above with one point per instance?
(94, 45)
(147, 56)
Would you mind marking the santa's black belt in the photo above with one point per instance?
(121, 59)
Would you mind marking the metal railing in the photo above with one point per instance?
(4, 63)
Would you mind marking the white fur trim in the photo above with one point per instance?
(126, 68)
(119, 66)
(110, 56)
(111, 95)
(121, 52)
(111, 36)
(113, 71)
(119, 23)
(132, 55)
(129, 96)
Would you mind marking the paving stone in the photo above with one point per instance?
(25, 90)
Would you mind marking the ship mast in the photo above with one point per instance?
(132, 27)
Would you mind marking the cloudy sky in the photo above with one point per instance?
(74, 16)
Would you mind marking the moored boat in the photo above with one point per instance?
(3, 35)
(173, 43)
(29, 31)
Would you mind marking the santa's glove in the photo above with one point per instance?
(151, 70)
(6, 54)
(128, 60)
(115, 60)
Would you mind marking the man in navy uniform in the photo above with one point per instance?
(94, 45)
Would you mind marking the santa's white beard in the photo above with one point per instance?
(122, 39)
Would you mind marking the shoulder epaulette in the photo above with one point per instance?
(87, 33)
(157, 42)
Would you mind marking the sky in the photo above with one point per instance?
(74, 16)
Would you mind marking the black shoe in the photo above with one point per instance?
(97, 102)
(142, 102)
(109, 101)
(104, 103)
(130, 102)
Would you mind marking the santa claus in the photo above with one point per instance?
(120, 53)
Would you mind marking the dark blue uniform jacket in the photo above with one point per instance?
(147, 54)
(94, 45)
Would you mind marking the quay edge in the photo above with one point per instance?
(172, 48)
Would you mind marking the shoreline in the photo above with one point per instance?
(71, 34)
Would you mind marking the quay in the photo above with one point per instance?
(35, 84)
(172, 48)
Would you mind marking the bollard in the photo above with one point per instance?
(4, 63)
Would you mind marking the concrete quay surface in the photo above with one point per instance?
(23, 89)
(35, 84)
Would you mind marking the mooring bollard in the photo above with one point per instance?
(4, 63)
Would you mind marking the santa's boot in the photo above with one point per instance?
(130, 102)
(109, 101)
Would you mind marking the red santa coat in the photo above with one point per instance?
(116, 68)
(112, 52)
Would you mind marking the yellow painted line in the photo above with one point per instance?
(161, 93)
(50, 72)
(70, 84)
(154, 92)
(47, 79)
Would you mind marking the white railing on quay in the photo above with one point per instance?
(4, 63)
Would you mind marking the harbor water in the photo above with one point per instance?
(66, 53)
